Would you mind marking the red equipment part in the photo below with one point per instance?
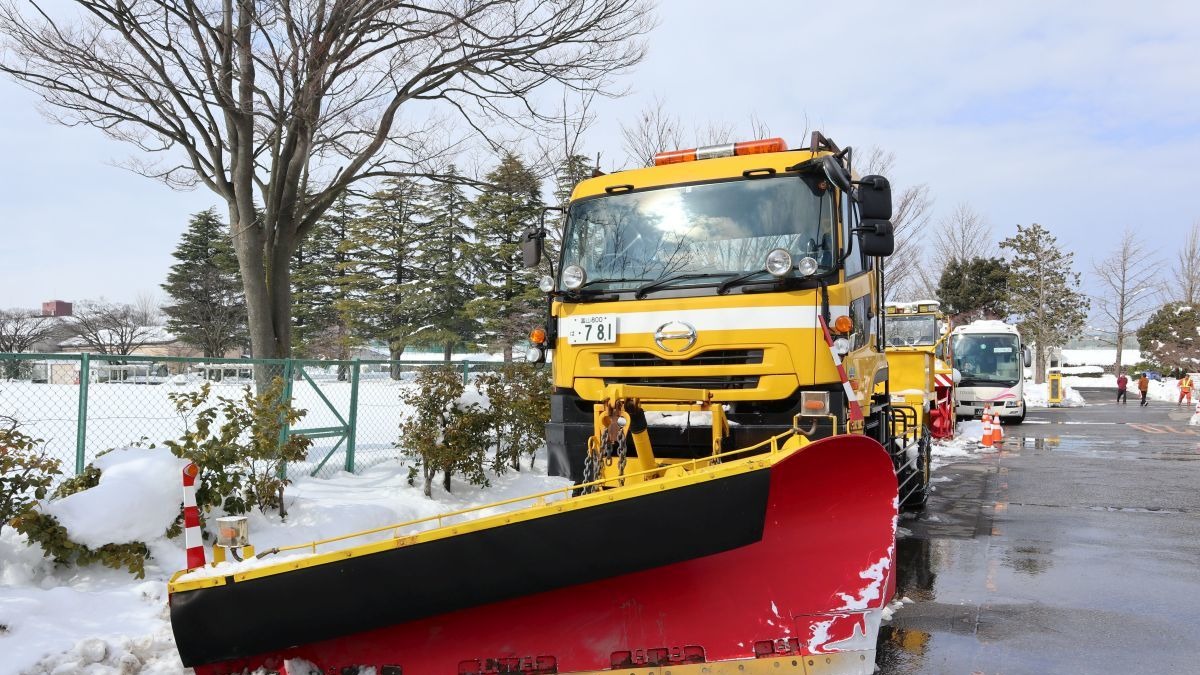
(815, 583)
(942, 419)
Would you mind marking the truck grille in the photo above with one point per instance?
(698, 382)
(713, 357)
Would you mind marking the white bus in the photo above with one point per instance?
(991, 360)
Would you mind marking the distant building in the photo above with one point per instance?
(56, 308)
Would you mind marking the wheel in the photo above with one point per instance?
(1015, 420)
(918, 495)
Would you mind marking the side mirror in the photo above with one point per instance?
(532, 243)
(836, 173)
(877, 237)
(874, 197)
(1028, 356)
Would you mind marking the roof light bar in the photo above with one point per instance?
(723, 150)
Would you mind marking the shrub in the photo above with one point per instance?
(45, 530)
(25, 471)
(519, 394)
(444, 433)
(241, 460)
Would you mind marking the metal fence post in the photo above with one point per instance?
(352, 416)
(466, 371)
(286, 397)
(81, 417)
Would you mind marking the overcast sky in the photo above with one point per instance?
(1084, 117)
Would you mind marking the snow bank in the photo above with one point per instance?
(1038, 396)
(143, 481)
(965, 444)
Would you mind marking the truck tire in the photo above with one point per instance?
(916, 499)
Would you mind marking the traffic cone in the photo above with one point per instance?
(997, 431)
(987, 427)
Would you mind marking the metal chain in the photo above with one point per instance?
(622, 452)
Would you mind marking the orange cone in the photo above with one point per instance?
(997, 431)
(987, 427)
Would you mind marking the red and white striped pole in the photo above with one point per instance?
(193, 540)
(855, 414)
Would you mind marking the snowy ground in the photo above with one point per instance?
(101, 621)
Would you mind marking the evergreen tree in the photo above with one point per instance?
(507, 303)
(319, 287)
(440, 262)
(1170, 339)
(569, 173)
(381, 290)
(1043, 291)
(206, 306)
(974, 289)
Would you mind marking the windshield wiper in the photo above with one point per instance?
(739, 279)
(666, 281)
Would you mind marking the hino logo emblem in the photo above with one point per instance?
(675, 330)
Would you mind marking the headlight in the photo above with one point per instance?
(546, 284)
(573, 277)
(841, 346)
(807, 266)
(779, 262)
(533, 355)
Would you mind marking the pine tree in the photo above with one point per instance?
(508, 303)
(974, 289)
(380, 283)
(440, 263)
(569, 173)
(1170, 339)
(319, 289)
(1043, 291)
(206, 306)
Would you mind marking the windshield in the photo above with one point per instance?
(988, 359)
(909, 331)
(706, 233)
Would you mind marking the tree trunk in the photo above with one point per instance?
(447, 350)
(427, 475)
(1039, 370)
(508, 352)
(446, 473)
(394, 353)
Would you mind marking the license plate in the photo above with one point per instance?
(592, 330)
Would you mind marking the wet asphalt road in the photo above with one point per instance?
(1074, 549)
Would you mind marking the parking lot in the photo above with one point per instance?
(1073, 549)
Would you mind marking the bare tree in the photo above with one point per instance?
(279, 107)
(21, 330)
(655, 131)
(1184, 283)
(1125, 277)
(962, 236)
(111, 328)
(910, 217)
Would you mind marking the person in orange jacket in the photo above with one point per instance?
(1144, 388)
(1185, 389)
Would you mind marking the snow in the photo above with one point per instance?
(102, 621)
(132, 480)
(1038, 396)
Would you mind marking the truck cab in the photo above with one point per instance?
(747, 270)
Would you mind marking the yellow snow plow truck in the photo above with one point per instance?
(717, 338)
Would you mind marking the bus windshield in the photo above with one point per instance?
(699, 234)
(984, 359)
(910, 331)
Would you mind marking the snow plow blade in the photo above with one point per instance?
(775, 562)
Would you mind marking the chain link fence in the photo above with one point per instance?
(80, 405)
